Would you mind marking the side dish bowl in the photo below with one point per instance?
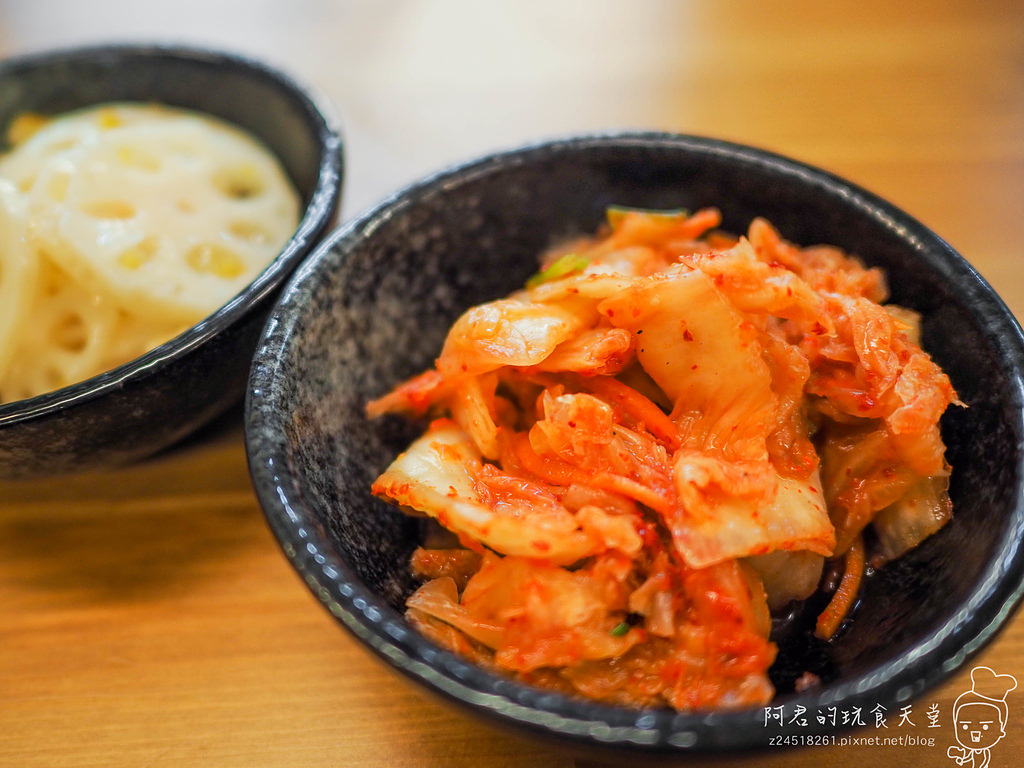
(154, 400)
(372, 306)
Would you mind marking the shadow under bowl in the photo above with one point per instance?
(149, 403)
(372, 306)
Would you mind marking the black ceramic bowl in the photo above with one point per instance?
(145, 405)
(372, 305)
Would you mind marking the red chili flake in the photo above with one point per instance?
(806, 681)
(687, 335)
(541, 546)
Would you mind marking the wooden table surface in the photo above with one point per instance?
(147, 617)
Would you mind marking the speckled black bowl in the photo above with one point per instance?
(149, 403)
(372, 305)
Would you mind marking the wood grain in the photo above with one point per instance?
(147, 617)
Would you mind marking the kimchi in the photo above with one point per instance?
(658, 441)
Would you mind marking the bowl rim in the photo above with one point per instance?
(321, 119)
(363, 613)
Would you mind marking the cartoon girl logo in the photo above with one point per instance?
(979, 716)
